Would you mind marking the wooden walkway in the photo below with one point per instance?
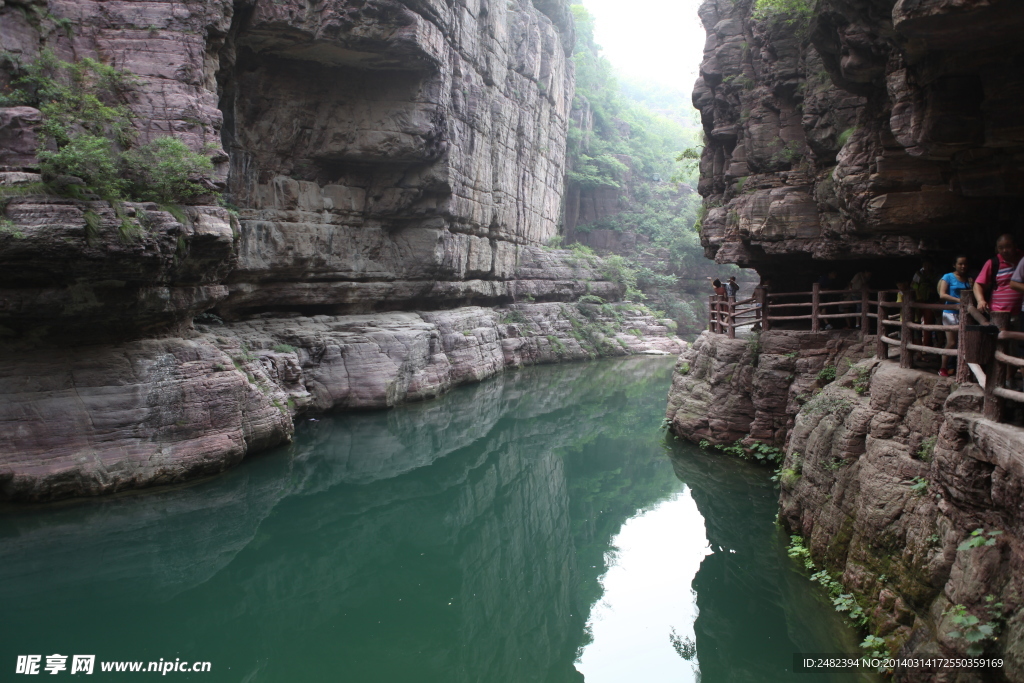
(983, 352)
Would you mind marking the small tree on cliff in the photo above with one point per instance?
(793, 12)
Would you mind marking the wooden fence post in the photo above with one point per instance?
(906, 316)
(730, 306)
(815, 303)
(765, 323)
(995, 377)
(963, 372)
(864, 320)
(758, 310)
(881, 348)
(711, 313)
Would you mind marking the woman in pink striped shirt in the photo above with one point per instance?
(993, 290)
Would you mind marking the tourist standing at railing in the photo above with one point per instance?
(992, 287)
(718, 287)
(732, 286)
(925, 285)
(949, 290)
(1017, 284)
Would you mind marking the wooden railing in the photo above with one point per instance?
(982, 350)
(727, 315)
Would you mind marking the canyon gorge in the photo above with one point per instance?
(865, 135)
(390, 174)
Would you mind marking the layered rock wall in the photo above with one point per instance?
(106, 418)
(371, 149)
(887, 485)
(751, 389)
(374, 157)
(887, 473)
(871, 133)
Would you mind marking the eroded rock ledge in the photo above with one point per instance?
(887, 472)
(375, 156)
(100, 419)
(725, 390)
(873, 133)
(885, 505)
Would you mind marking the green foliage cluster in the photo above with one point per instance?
(622, 129)
(618, 269)
(919, 485)
(844, 137)
(827, 374)
(86, 133)
(927, 449)
(556, 344)
(825, 405)
(798, 551)
(980, 538)
(758, 452)
(513, 317)
(795, 13)
(971, 629)
(862, 382)
(874, 647)
(284, 348)
(842, 602)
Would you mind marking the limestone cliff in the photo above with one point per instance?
(888, 474)
(375, 157)
(865, 135)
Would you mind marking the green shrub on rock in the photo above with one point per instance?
(165, 170)
(89, 157)
(87, 133)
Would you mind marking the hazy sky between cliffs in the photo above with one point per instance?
(653, 40)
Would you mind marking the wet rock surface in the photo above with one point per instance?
(106, 418)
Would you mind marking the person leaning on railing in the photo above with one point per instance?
(1017, 284)
(949, 290)
(992, 287)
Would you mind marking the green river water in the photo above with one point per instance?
(539, 526)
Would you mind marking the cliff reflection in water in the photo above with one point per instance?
(459, 540)
(434, 542)
(755, 608)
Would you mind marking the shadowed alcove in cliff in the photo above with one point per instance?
(337, 147)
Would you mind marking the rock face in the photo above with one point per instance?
(377, 156)
(888, 506)
(874, 132)
(373, 148)
(865, 137)
(887, 473)
(726, 390)
(106, 418)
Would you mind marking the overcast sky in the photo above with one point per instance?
(656, 40)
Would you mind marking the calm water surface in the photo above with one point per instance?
(535, 527)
